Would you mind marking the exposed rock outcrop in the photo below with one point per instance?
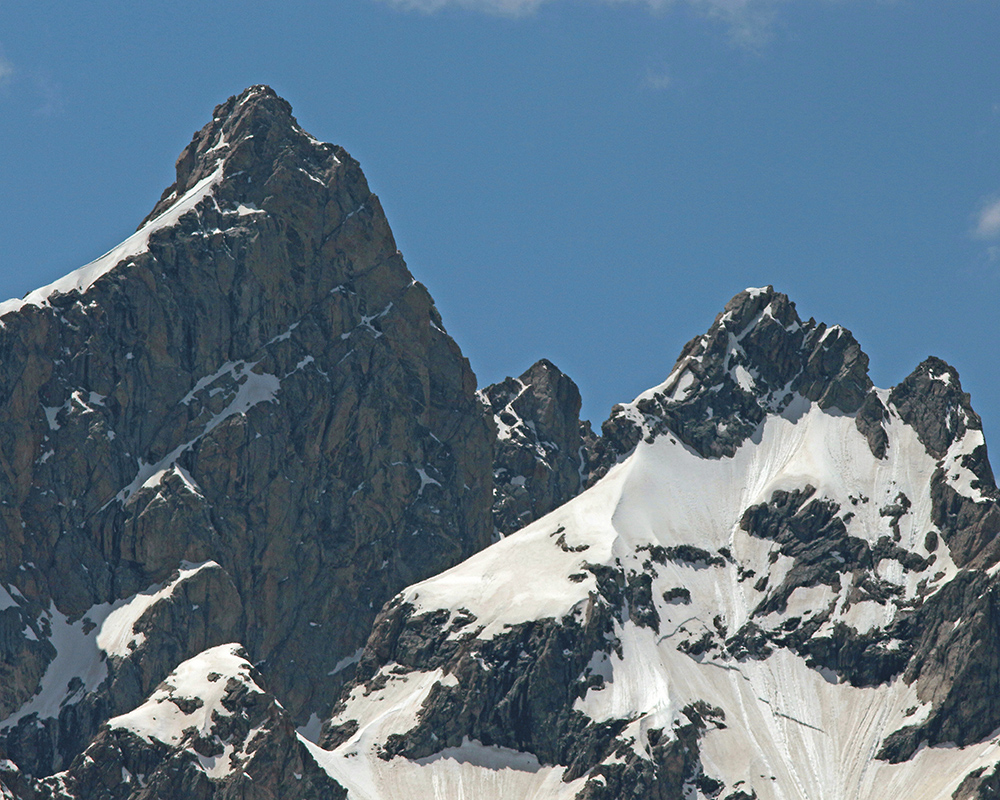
(210, 732)
(543, 451)
(253, 379)
(754, 360)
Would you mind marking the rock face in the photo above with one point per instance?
(232, 440)
(543, 451)
(757, 357)
(783, 586)
(208, 731)
(244, 424)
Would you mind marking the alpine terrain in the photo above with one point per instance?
(261, 536)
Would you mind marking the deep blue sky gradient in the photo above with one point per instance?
(590, 182)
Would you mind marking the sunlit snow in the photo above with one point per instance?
(83, 278)
(808, 735)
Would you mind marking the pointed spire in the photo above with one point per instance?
(249, 129)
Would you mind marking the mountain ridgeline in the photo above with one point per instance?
(261, 536)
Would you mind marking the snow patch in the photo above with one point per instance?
(116, 636)
(78, 663)
(312, 729)
(490, 757)
(425, 480)
(960, 477)
(83, 278)
(6, 600)
(349, 661)
(252, 388)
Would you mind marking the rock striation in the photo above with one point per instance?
(244, 424)
(543, 450)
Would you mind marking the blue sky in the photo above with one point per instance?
(584, 181)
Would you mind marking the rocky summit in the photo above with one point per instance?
(261, 536)
(543, 450)
(244, 424)
(783, 586)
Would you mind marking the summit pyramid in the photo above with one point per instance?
(245, 424)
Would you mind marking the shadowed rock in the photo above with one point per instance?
(259, 382)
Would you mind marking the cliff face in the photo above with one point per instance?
(543, 451)
(244, 424)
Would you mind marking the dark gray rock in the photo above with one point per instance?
(970, 528)
(673, 769)
(812, 531)
(870, 422)
(947, 644)
(931, 401)
(980, 784)
(543, 451)
(517, 690)
(955, 642)
(754, 359)
(265, 386)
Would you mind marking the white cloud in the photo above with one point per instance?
(6, 71)
(749, 21)
(656, 80)
(988, 221)
(506, 8)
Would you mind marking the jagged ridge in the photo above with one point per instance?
(767, 519)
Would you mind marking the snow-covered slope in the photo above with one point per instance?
(82, 279)
(803, 611)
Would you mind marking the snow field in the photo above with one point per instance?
(812, 737)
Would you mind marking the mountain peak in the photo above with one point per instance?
(746, 306)
(756, 359)
(788, 563)
(250, 163)
(247, 135)
(272, 412)
(259, 95)
(254, 106)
